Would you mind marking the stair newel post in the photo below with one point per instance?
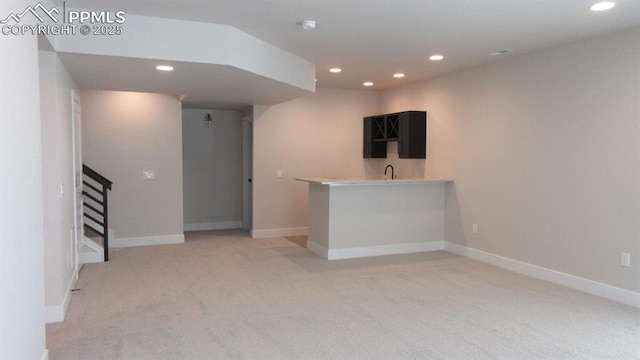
(106, 223)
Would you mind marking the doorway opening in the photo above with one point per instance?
(217, 152)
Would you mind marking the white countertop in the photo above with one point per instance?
(351, 182)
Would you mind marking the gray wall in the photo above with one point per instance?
(124, 134)
(545, 153)
(57, 158)
(22, 331)
(212, 161)
(318, 135)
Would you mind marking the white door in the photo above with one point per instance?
(247, 171)
(76, 138)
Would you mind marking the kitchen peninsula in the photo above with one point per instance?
(359, 218)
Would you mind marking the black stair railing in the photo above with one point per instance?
(95, 205)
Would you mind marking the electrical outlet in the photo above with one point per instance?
(625, 259)
(279, 174)
(474, 228)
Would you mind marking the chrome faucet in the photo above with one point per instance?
(385, 171)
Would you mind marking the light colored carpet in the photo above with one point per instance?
(225, 296)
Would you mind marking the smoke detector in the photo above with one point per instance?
(501, 52)
(308, 24)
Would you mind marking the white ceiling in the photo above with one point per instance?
(206, 86)
(372, 39)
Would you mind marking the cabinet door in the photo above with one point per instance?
(379, 128)
(412, 139)
(391, 127)
(371, 148)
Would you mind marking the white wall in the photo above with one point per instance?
(22, 331)
(212, 162)
(545, 153)
(57, 158)
(124, 134)
(318, 135)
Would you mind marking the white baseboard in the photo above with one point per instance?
(147, 240)
(351, 253)
(274, 233)
(57, 313)
(45, 355)
(220, 225)
(336, 254)
(585, 285)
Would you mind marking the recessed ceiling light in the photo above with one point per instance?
(367, 83)
(335, 70)
(398, 75)
(436, 57)
(602, 6)
(164, 68)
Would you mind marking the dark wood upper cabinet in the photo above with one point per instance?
(373, 148)
(409, 128)
(412, 135)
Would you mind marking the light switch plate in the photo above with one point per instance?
(625, 259)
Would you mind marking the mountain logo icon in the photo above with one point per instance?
(33, 10)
